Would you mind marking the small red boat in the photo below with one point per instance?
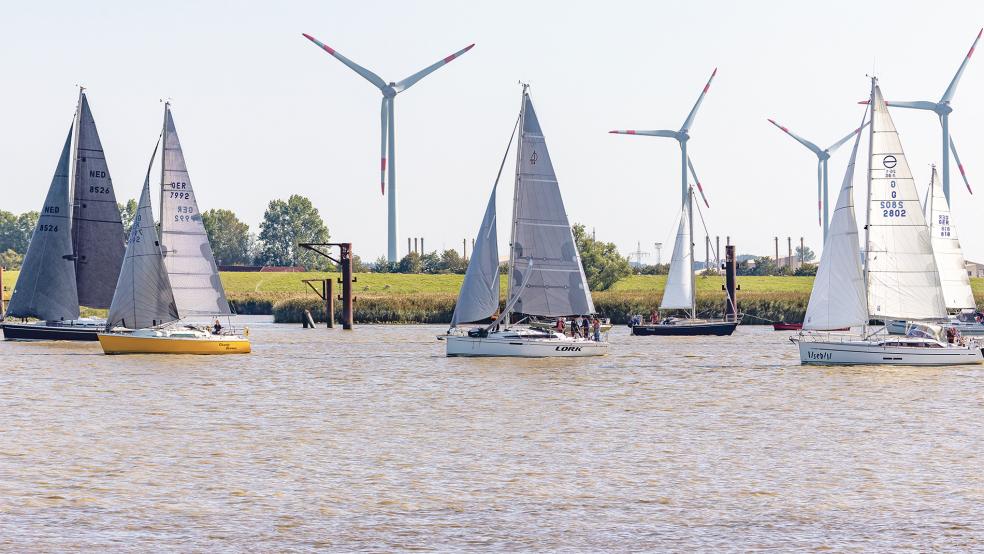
(783, 326)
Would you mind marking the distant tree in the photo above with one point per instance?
(504, 268)
(430, 263)
(127, 212)
(287, 223)
(808, 255)
(452, 262)
(358, 266)
(603, 265)
(654, 269)
(382, 265)
(806, 270)
(228, 236)
(16, 230)
(11, 260)
(410, 263)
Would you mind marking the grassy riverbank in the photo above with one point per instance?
(399, 298)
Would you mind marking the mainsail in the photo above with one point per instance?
(838, 297)
(143, 296)
(479, 295)
(97, 230)
(902, 279)
(187, 253)
(46, 286)
(946, 248)
(542, 241)
(678, 294)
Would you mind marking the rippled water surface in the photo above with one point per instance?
(373, 440)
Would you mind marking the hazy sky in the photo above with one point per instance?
(262, 113)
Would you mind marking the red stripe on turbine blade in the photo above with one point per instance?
(382, 164)
(630, 132)
(449, 58)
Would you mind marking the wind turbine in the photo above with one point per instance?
(681, 136)
(387, 134)
(943, 109)
(823, 154)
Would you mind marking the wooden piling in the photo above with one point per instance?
(731, 283)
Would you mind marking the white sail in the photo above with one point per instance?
(957, 294)
(902, 279)
(542, 241)
(143, 296)
(187, 253)
(678, 294)
(479, 295)
(46, 286)
(838, 297)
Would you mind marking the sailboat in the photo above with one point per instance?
(679, 292)
(169, 278)
(77, 246)
(957, 294)
(899, 279)
(546, 278)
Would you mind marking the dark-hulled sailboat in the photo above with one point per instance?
(77, 246)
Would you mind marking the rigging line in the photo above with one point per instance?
(706, 232)
(508, 146)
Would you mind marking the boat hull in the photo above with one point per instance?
(113, 343)
(42, 331)
(783, 326)
(710, 328)
(523, 347)
(866, 353)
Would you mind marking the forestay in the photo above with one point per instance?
(479, 295)
(902, 279)
(542, 241)
(838, 297)
(97, 230)
(678, 294)
(46, 286)
(143, 296)
(957, 294)
(187, 253)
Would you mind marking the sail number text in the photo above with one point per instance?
(944, 222)
(892, 208)
(46, 228)
(96, 189)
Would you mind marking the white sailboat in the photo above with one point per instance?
(899, 279)
(957, 294)
(679, 292)
(545, 274)
(172, 278)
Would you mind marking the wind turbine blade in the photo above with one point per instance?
(952, 89)
(960, 165)
(384, 123)
(693, 112)
(369, 75)
(841, 142)
(813, 147)
(660, 133)
(820, 192)
(409, 81)
(696, 180)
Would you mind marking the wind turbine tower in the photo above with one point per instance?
(388, 135)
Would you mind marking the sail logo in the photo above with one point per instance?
(890, 161)
(533, 158)
(567, 348)
(819, 355)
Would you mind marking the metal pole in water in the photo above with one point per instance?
(329, 303)
(346, 259)
(730, 283)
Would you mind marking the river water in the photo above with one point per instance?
(373, 440)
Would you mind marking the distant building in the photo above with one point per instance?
(974, 269)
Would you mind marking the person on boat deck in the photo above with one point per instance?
(654, 317)
(560, 325)
(597, 329)
(575, 329)
(586, 326)
(217, 328)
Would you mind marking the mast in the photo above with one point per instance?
(867, 196)
(160, 206)
(512, 227)
(693, 279)
(74, 177)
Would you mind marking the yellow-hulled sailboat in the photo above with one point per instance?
(165, 281)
